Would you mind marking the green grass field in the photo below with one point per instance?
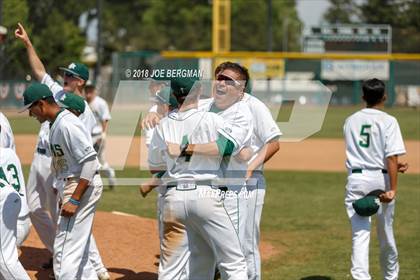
(408, 118)
(305, 220)
(304, 216)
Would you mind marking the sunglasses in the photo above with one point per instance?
(71, 75)
(228, 80)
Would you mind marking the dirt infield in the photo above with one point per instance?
(128, 244)
(308, 155)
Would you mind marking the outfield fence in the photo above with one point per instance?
(341, 73)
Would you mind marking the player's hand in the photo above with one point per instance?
(145, 189)
(248, 174)
(20, 33)
(174, 149)
(68, 209)
(387, 196)
(402, 167)
(245, 154)
(151, 120)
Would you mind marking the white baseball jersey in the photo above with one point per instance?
(371, 136)
(100, 110)
(265, 128)
(10, 203)
(11, 172)
(199, 128)
(237, 121)
(149, 132)
(70, 145)
(44, 138)
(87, 117)
(6, 135)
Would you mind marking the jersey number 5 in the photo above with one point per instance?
(365, 135)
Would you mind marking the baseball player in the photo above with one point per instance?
(264, 144)
(6, 135)
(39, 187)
(210, 232)
(11, 171)
(75, 163)
(10, 205)
(227, 103)
(238, 119)
(373, 143)
(100, 110)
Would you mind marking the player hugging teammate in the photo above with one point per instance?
(204, 146)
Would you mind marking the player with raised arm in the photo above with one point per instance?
(41, 195)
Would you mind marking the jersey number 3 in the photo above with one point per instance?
(14, 172)
(365, 135)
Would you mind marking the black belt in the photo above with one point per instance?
(200, 182)
(71, 178)
(359, 170)
(41, 151)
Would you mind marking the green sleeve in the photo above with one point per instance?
(159, 174)
(225, 146)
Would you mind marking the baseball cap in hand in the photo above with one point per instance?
(35, 92)
(368, 205)
(77, 69)
(72, 101)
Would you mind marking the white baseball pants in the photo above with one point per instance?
(256, 194)
(73, 238)
(358, 185)
(23, 228)
(212, 238)
(10, 266)
(42, 200)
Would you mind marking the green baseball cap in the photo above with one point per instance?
(182, 86)
(368, 205)
(72, 101)
(35, 92)
(78, 69)
(179, 87)
(166, 96)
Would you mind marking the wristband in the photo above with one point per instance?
(74, 201)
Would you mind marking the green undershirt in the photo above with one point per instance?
(224, 145)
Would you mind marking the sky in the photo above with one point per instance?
(310, 12)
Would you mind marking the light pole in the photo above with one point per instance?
(98, 40)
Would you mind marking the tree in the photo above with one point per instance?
(402, 15)
(176, 25)
(56, 37)
(249, 25)
(341, 11)
(12, 51)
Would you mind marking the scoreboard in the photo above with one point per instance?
(348, 38)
